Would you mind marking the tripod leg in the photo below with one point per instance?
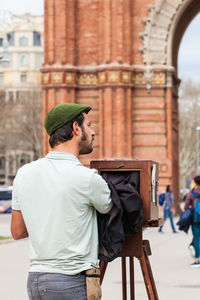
(150, 274)
(124, 286)
(103, 266)
(147, 280)
(132, 287)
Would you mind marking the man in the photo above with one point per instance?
(54, 203)
(193, 201)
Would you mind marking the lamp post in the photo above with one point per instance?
(197, 149)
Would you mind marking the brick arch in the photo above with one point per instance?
(94, 55)
(165, 25)
(161, 27)
(187, 13)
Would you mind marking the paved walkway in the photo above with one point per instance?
(170, 261)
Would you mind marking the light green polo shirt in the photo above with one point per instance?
(58, 198)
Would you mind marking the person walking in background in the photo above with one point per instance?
(191, 245)
(193, 201)
(167, 208)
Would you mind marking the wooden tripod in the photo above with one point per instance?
(134, 246)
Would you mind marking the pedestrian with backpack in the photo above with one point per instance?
(168, 205)
(193, 201)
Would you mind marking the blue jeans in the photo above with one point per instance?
(168, 214)
(196, 235)
(53, 286)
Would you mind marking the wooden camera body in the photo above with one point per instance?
(145, 180)
(147, 173)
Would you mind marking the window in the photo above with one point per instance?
(36, 39)
(22, 95)
(23, 78)
(23, 60)
(10, 37)
(23, 41)
(10, 96)
(1, 42)
(24, 159)
(1, 78)
(2, 163)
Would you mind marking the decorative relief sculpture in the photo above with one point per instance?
(143, 77)
(56, 77)
(157, 28)
(70, 78)
(156, 48)
(148, 75)
(126, 77)
(138, 78)
(159, 78)
(101, 77)
(113, 77)
(45, 78)
(87, 79)
(148, 78)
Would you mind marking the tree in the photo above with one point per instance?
(189, 119)
(27, 123)
(4, 116)
(20, 131)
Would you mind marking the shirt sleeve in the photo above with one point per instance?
(100, 194)
(15, 196)
(172, 197)
(189, 201)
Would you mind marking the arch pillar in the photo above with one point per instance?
(58, 72)
(107, 75)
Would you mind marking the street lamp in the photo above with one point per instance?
(197, 149)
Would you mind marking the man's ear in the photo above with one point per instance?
(76, 128)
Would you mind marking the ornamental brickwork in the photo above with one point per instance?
(120, 57)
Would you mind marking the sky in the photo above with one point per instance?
(35, 7)
(189, 51)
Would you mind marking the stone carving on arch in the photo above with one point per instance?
(158, 34)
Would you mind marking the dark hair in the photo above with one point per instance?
(168, 188)
(197, 179)
(64, 133)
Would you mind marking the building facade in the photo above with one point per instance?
(21, 52)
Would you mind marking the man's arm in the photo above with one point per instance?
(18, 227)
(100, 194)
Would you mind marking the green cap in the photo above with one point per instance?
(62, 114)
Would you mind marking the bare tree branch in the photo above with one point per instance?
(189, 119)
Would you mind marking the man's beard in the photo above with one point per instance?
(84, 146)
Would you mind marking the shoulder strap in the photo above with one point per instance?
(194, 194)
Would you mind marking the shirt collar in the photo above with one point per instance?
(61, 156)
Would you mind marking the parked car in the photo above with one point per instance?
(5, 199)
